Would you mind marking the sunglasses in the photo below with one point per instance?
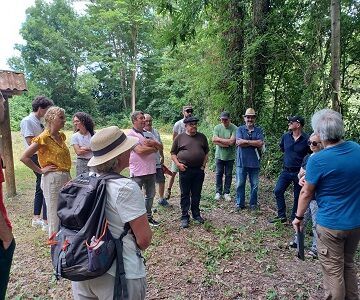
(313, 143)
(189, 111)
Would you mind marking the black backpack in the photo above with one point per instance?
(84, 248)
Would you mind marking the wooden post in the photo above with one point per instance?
(7, 153)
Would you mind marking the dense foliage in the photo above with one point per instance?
(217, 55)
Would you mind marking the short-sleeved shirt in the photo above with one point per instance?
(53, 153)
(248, 157)
(294, 151)
(156, 135)
(30, 126)
(190, 149)
(335, 173)
(225, 153)
(141, 164)
(125, 202)
(179, 126)
(83, 141)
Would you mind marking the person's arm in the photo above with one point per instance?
(28, 139)
(154, 144)
(301, 173)
(79, 150)
(182, 167)
(306, 194)
(26, 159)
(5, 233)
(143, 149)
(142, 232)
(205, 161)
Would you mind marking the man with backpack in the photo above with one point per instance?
(124, 204)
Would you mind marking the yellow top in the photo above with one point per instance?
(53, 153)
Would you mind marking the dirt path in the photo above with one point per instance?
(232, 256)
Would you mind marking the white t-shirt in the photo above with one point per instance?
(179, 126)
(125, 202)
(30, 126)
(83, 141)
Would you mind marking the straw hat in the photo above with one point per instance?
(250, 112)
(108, 143)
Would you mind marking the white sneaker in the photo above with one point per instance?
(45, 227)
(217, 196)
(227, 197)
(37, 223)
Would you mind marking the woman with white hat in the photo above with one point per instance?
(125, 203)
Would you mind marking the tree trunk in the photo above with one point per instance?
(234, 43)
(134, 33)
(258, 61)
(335, 54)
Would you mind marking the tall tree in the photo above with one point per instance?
(335, 54)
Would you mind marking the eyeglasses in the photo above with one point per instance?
(313, 143)
(189, 111)
(192, 124)
(250, 117)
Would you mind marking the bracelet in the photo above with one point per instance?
(299, 218)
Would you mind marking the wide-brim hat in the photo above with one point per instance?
(108, 143)
(250, 112)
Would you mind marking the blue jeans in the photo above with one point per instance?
(285, 179)
(241, 174)
(223, 166)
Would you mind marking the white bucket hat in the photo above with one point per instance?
(108, 143)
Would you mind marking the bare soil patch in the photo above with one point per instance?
(232, 256)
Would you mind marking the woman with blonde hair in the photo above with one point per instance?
(54, 159)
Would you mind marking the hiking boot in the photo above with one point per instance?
(163, 202)
(37, 223)
(293, 244)
(184, 223)
(217, 196)
(199, 219)
(278, 220)
(45, 227)
(167, 194)
(227, 197)
(152, 222)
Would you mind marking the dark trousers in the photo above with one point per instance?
(224, 166)
(191, 182)
(285, 179)
(39, 200)
(6, 257)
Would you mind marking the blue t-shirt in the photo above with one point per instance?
(248, 157)
(335, 171)
(294, 151)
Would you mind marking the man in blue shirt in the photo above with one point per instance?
(249, 141)
(294, 145)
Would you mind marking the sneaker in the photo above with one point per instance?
(37, 223)
(239, 208)
(278, 220)
(199, 219)
(152, 222)
(313, 253)
(293, 244)
(217, 196)
(167, 194)
(45, 227)
(227, 197)
(163, 202)
(184, 223)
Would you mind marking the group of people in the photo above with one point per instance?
(323, 168)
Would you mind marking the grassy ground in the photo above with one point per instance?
(232, 256)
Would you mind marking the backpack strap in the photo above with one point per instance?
(120, 287)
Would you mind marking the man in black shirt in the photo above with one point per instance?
(294, 145)
(190, 154)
